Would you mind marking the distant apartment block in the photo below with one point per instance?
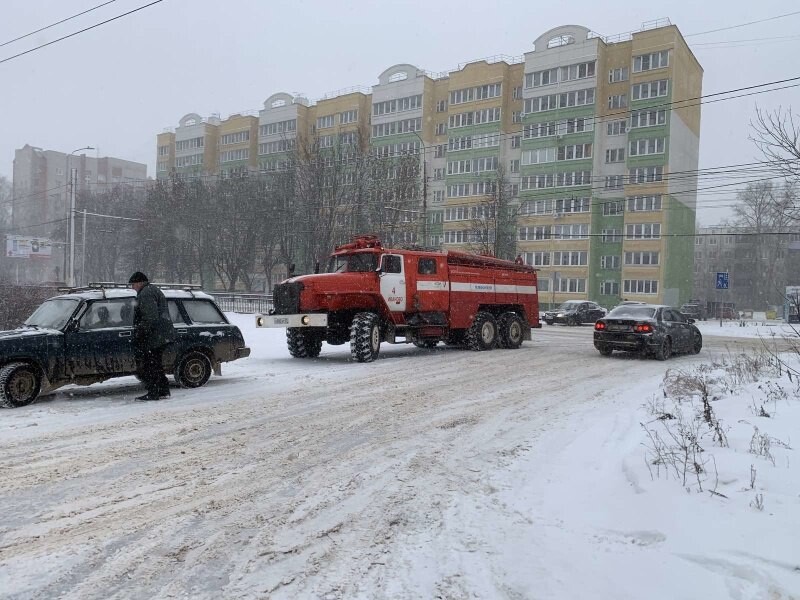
(589, 134)
(40, 198)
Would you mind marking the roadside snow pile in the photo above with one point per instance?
(763, 329)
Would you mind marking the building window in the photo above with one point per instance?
(610, 262)
(516, 141)
(615, 155)
(643, 231)
(641, 258)
(397, 105)
(197, 142)
(348, 116)
(570, 258)
(644, 203)
(573, 231)
(617, 127)
(441, 106)
(614, 182)
(648, 118)
(438, 196)
(441, 128)
(325, 121)
(618, 101)
(648, 62)
(646, 174)
(572, 285)
(617, 75)
(650, 89)
(563, 100)
(514, 166)
(397, 127)
(540, 156)
(279, 127)
(640, 286)
(612, 208)
(574, 152)
(609, 288)
(647, 146)
(516, 117)
(439, 151)
(612, 236)
(516, 93)
(234, 155)
(235, 138)
(162, 151)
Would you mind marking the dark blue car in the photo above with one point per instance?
(85, 337)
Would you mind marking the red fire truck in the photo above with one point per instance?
(370, 294)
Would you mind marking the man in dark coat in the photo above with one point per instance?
(152, 332)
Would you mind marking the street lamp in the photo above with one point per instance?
(424, 191)
(71, 280)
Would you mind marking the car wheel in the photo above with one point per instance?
(605, 350)
(511, 331)
(303, 343)
(365, 337)
(20, 384)
(482, 334)
(697, 343)
(664, 351)
(194, 370)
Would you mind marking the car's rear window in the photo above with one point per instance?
(203, 311)
(175, 313)
(632, 311)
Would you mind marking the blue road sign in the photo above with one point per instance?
(722, 280)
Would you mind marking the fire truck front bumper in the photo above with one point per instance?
(298, 320)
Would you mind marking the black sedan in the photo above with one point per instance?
(575, 312)
(650, 329)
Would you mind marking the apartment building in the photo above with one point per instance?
(587, 135)
(41, 202)
(190, 150)
(600, 213)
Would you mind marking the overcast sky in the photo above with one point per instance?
(115, 87)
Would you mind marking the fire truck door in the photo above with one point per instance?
(393, 282)
(432, 287)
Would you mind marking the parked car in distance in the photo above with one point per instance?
(694, 311)
(85, 336)
(650, 329)
(726, 312)
(574, 312)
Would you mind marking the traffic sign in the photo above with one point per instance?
(722, 280)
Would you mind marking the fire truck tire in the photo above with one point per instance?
(365, 337)
(456, 337)
(511, 331)
(482, 334)
(303, 343)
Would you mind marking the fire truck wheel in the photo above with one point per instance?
(303, 343)
(456, 337)
(365, 337)
(511, 331)
(482, 334)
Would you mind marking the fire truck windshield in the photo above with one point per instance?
(353, 263)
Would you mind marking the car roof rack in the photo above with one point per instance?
(102, 286)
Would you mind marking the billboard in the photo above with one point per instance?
(20, 246)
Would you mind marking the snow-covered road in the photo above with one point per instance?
(299, 479)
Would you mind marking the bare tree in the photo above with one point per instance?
(765, 213)
(777, 136)
(493, 219)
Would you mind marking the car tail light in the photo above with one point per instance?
(599, 326)
(643, 328)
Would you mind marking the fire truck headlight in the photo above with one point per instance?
(304, 320)
(259, 321)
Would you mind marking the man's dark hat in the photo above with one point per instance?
(138, 277)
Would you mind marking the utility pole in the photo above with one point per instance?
(71, 280)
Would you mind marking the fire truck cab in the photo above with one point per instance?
(370, 294)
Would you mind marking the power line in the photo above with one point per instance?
(79, 32)
(797, 12)
(16, 39)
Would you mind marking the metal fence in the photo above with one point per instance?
(244, 303)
